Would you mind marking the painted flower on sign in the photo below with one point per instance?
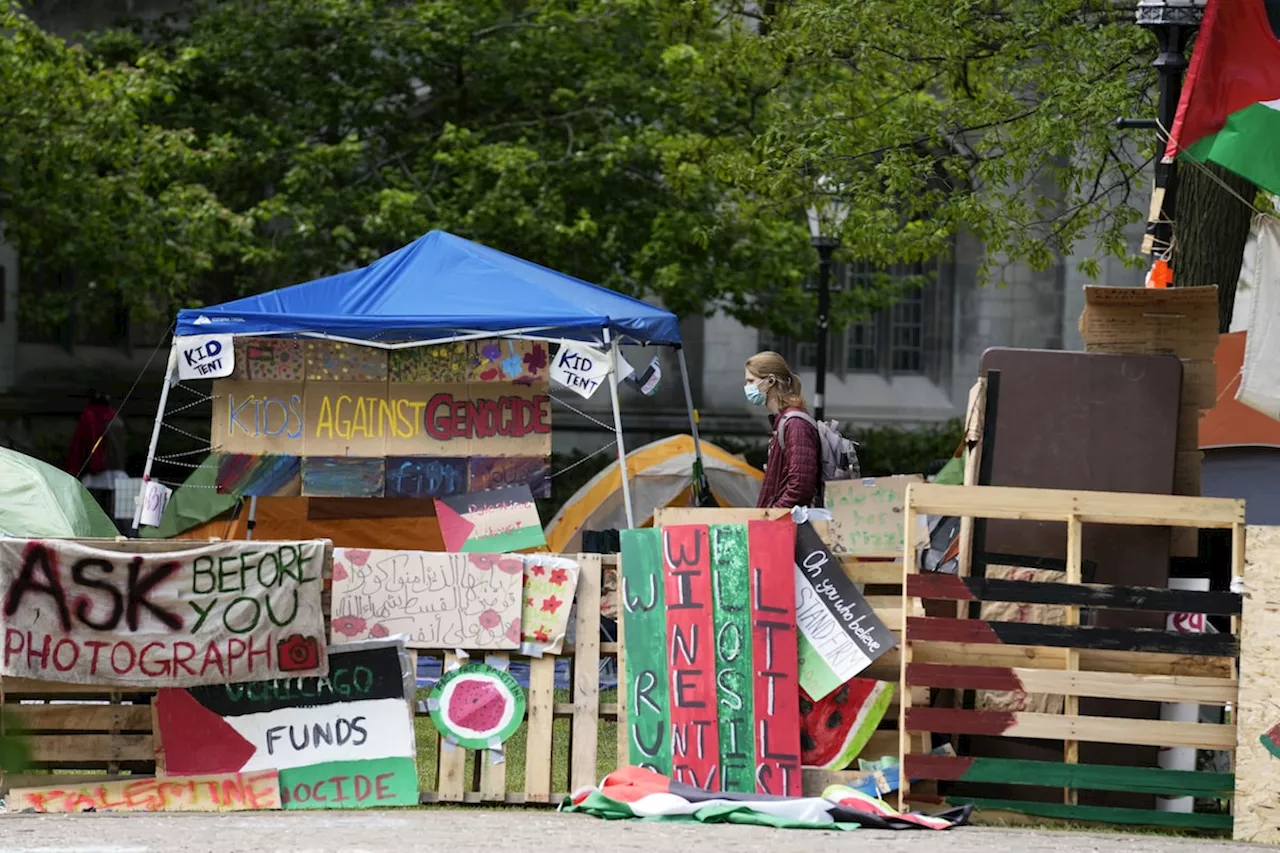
(379, 631)
(541, 635)
(558, 577)
(510, 566)
(536, 358)
(550, 604)
(357, 557)
(483, 562)
(349, 626)
(513, 631)
(489, 620)
(537, 571)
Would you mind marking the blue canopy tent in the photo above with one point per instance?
(442, 288)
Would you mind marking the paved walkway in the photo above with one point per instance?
(518, 831)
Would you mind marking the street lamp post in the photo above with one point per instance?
(1172, 22)
(826, 218)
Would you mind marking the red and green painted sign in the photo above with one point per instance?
(340, 741)
(710, 632)
(477, 706)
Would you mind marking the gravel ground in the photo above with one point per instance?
(487, 831)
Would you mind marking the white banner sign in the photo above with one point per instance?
(213, 614)
(580, 368)
(205, 356)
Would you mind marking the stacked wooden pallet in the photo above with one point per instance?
(1071, 660)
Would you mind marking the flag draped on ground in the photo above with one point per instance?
(1230, 108)
(631, 792)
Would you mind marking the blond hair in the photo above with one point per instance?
(780, 385)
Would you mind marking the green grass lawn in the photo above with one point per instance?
(514, 749)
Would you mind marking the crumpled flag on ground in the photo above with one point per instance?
(632, 792)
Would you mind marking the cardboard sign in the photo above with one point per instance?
(326, 401)
(343, 741)
(227, 611)
(840, 635)
(580, 368)
(219, 792)
(441, 601)
(205, 356)
(710, 632)
(867, 515)
(549, 585)
(492, 522)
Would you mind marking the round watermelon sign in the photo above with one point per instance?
(477, 706)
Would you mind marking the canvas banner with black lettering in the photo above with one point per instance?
(109, 613)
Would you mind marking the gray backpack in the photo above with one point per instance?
(839, 454)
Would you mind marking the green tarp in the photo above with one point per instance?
(37, 499)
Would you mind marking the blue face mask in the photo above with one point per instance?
(755, 396)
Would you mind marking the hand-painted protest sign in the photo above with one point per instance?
(220, 792)
(154, 498)
(205, 356)
(867, 515)
(112, 613)
(840, 634)
(330, 400)
(477, 706)
(342, 741)
(549, 584)
(492, 522)
(709, 621)
(441, 601)
(580, 368)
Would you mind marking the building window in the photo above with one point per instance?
(911, 336)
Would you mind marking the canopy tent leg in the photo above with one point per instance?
(253, 517)
(617, 430)
(702, 488)
(155, 431)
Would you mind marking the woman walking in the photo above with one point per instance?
(793, 472)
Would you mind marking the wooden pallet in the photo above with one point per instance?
(95, 734)
(1070, 660)
(882, 586)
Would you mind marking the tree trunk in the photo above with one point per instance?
(1211, 226)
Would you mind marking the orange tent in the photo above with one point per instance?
(1230, 423)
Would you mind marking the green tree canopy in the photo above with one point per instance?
(662, 149)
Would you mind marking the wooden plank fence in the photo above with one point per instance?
(89, 733)
(1069, 660)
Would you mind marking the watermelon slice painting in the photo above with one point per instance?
(1271, 740)
(834, 729)
(477, 706)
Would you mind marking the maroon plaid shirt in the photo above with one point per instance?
(793, 475)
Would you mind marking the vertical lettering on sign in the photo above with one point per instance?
(644, 619)
(775, 663)
(732, 612)
(695, 731)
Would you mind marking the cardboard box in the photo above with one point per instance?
(1189, 428)
(1185, 541)
(1186, 473)
(1174, 321)
(1199, 382)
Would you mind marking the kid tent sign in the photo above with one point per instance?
(223, 612)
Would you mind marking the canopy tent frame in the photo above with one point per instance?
(475, 291)
(525, 333)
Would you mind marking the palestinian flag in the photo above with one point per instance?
(631, 792)
(1230, 108)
